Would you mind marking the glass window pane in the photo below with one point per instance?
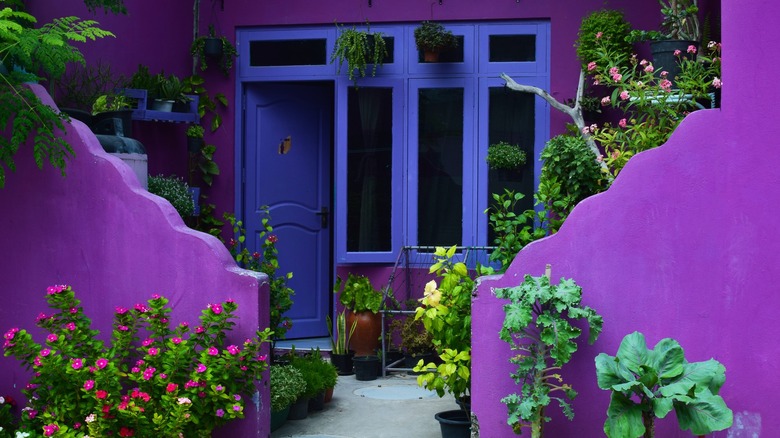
(511, 119)
(287, 52)
(440, 167)
(512, 48)
(369, 168)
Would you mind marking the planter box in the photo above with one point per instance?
(140, 112)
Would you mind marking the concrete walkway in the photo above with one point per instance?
(389, 407)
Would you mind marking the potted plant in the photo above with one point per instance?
(175, 191)
(446, 313)
(287, 385)
(363, 302)
(340, 353)
(358, 48)
(507, 159)
(169, 90)
(312, 374)
(431, 38)
(646, 384)
(605, 30)
(214, 47)
(534, 307)
(195, 138)
(416, 342)
(112, 115)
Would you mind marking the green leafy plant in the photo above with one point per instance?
(612, 29)
(358, 48)
(8, 418)
(433, 37)
(111, 102)
(175, 191)
(81, 85)
(513, 230)
(339, 336)
(170, 88)
(229, 51)
(358, 294)
(150, 380)
(538, 325)
(318, 374)
(647, 384)
(287, 385)
(446, 313)
(680, 22)
(195, 131)
(266, 262)
(114, 6)
(415, 340)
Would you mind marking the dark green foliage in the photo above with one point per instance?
(538, 324)
(225, 61)
(358, 295)
(614, 31)
(513, 230)
(569, 175)
(318, 374)
(174, 190)
(433, 37)
(358, 48)
(503, 155)
(114, 6)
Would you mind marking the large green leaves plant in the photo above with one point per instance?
(538, 325)
(646, 384)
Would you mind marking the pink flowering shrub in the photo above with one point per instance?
(150, 381)
(651, 104)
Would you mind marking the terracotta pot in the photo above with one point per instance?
(429, 56)
(328, 395)
(365, 340)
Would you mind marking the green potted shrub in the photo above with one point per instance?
(507, 159)
(647, 383)
(358, 48)
(217, 48)
(363, 302)
(416, 342)
(312, 370)
(603, 30)
(287, 385)
(112, 114)
(175, 191)
(431, 38)
(195, 138)
(170, 90)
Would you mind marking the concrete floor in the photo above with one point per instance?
(389, 407)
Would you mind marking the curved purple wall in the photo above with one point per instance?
(683, 245)
(98, 230)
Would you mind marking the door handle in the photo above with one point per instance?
(324, 215)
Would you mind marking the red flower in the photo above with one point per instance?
(125, 431)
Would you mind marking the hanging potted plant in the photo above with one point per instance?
(431, 38)
(358, 48)
(507, 159)
(215, 48)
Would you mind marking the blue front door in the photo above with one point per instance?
(288, 144)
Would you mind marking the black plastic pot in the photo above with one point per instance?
(454, 424)
(299, 410)
(366, 367)
(343, 363)
(664, 58)
(212, 47)
(317, 403)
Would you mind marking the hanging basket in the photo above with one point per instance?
(213, 47)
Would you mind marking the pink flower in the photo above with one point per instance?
(232, 349)
(52, 338)
(141, 308)
(135, 370)
(643, 62)
(123, 328)
(596, 82)
(53, 290)
(586, 130)
(216, 308)
(153, 351)
(199, 329)
(592, 66)
(155, 296)
(605, 101)
(10, 333)
(213, 351)
(171, 387)
(691, 49)
(599, 34)
(74, 310)
(666, 85)
(236, 397)
(76, 364)
(219, 388)
(220, 413)
(45, 352)
(191, 384)
(624, 95)
(101, 363)
(263, 357)
(617, 77)
(101, 394)
(622, 123)
(70, 326)
(649, 68)
(50, 429)
(237, 408)
(149, 373)
(272, 238)
(147, 342)
(120, 310)
(717, 83)
(613, 71)
(176, 340)
(37, 361)
(664, 73)
(201, 368)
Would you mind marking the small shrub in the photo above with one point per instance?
(503, 155)
(175, 191)
(608, 27)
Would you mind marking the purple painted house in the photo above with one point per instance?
(680, 246)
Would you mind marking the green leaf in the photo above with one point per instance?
(667, 358)
(610, 372)
(708, 374)
(661, 406)
(633, 352)
(624, 418)
(703, 414)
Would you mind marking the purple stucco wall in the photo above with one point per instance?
(98, 230)
(683, 245)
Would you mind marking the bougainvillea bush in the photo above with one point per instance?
(150, 380)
